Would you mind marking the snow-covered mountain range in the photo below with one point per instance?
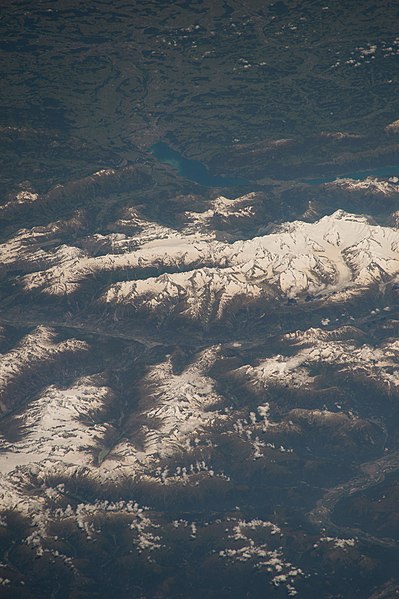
(97, 424)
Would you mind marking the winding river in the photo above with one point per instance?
(371, 474)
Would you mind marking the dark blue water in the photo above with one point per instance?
(194, 170)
